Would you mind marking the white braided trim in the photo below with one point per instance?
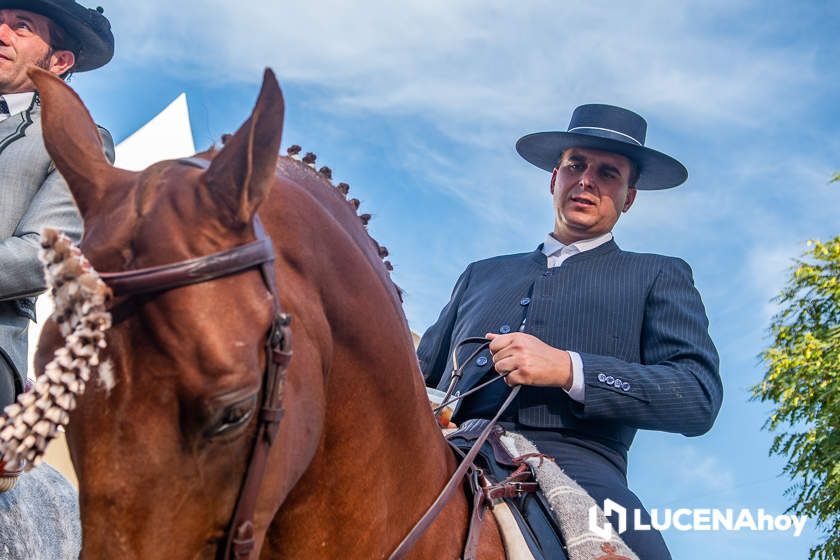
(28, 425)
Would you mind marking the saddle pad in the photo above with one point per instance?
(570, 505)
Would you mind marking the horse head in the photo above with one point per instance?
(162, 443)
(187, 362)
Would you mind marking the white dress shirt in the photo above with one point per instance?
(556, 253)
(17, 102)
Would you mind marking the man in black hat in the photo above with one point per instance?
(63, 37)
(603, 341)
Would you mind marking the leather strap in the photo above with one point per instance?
(193, 271)
(479, 507)
(443, 498)
(510, 489)
(458, 371)
(240, 540)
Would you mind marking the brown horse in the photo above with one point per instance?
(161, 453)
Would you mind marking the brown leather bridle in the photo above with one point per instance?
(239, 538)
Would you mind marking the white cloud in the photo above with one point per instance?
(483, 72)
(480, 61)
(476, 74)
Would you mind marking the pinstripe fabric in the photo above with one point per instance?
(632, 317)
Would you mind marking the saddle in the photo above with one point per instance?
(503, 478)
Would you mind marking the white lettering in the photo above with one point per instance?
(799, 524)
(722, 519)
(783, 522)
(765, 520)
(604, 532)
(638, 524)
(686, 519)
(663, 524)
(678, 525)
(611, 507)
(702, 520)
(745, 521)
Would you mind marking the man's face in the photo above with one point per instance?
(591, 190)
(25, 39)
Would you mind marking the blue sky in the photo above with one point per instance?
(417, 105)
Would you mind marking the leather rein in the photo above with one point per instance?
(466, 469)
(239, 537)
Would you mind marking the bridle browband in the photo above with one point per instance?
(239, 538)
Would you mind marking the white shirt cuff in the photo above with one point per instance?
(577, 390)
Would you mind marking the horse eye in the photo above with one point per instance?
(234, 416)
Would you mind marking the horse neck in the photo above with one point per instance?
(378, 442)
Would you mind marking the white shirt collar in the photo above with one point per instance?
(552, 246)
(18, 102)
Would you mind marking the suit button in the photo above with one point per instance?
(504, 329)
(625, 386)
(609, 380)
(547, 273)
(524, 301)
(602, 377)
(617, 383)
(481, 361)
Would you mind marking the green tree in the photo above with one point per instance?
(803, 380)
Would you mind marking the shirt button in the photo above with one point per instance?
(504, 329)
(524, 301)
(609, 380)
(602, 377)
(481, 361)
(625, 386)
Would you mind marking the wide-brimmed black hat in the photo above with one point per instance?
(608, 128)
(90, 29)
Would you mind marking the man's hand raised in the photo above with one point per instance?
(527, 360)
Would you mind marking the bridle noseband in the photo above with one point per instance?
(239, 538)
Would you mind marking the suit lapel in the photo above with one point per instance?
(14, 128)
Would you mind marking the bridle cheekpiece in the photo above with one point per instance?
(239, 538)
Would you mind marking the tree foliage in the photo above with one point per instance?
(803, 380)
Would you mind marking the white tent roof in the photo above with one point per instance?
(166, 136)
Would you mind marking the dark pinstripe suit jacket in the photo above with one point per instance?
(635, 319)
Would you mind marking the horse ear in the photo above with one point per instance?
(241, 174)
(72, 140)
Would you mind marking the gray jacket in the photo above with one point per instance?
(33, 195)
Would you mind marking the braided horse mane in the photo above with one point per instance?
(303, 170)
